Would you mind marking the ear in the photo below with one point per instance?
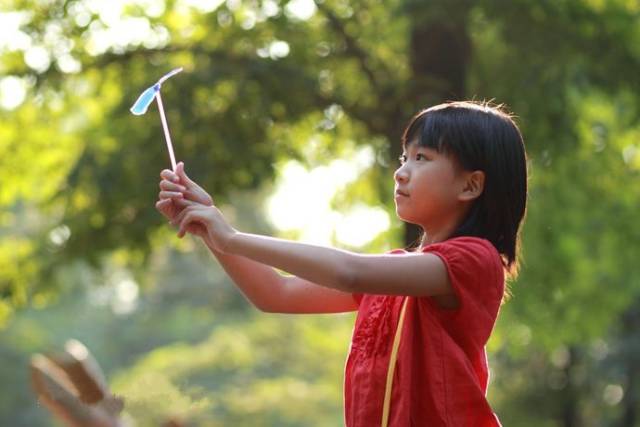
(473, 186)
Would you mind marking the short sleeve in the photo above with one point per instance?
(477, 277)
(358, 297)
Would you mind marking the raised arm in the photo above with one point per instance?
(271, 292)
(416, 274)
(261, 284)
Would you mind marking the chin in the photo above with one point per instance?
(404, 217)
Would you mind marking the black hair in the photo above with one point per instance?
(484, 137)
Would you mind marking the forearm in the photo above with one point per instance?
(325, 266)
(260, 284)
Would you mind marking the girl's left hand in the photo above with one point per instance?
(219, 232)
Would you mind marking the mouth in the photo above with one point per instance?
(400, 193)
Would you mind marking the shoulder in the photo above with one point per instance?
(470, 260)
(466, 245)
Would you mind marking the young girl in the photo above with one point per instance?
(417, 355)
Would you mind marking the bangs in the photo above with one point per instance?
(431, 131)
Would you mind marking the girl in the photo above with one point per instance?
(417, 355)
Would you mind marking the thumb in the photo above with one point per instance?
(182, 174)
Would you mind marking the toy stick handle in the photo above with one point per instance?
(165, 127)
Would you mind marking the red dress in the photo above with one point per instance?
(441, 374)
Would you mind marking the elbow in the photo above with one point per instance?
(262, 308)
(265, 307)
(261, 304)
(275, 300)
(270, 309)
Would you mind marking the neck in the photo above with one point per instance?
(434, 233)
(435, 236)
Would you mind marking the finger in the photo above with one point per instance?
(195, 216)
(163, 203)
(178, 218)
(194, 191)
(184, 202)
(169, 175)
(198, 195)
(190, 213)
(183, 175)
(170, 195)
(172, 186)
(163, 206)
(189, 218)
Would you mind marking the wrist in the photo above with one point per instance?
(229, 244)
(205, 239)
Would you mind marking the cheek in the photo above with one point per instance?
(448, 182)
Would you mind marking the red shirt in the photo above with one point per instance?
(441, 373)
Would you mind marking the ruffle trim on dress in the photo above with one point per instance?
(373, 337)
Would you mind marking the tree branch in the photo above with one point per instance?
(353, 48)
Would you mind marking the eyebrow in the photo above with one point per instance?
(418, 147)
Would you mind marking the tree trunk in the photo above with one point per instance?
(439, 56)
(570, 413)
(630, 327)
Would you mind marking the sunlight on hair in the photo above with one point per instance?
(301, 203)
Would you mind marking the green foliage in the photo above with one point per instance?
(271, 368)
(192, 350)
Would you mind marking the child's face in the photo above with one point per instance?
(427, 185)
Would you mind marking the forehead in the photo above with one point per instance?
(414, 146)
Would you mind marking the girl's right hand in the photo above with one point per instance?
(179, 181)
(175, 188)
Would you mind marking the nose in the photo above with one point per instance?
(401, 175)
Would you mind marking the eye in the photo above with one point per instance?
(421, 156)
(402, 159)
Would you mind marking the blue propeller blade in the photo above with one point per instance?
(142, 104)
(144, 100)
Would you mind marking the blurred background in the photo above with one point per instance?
(290, 114)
